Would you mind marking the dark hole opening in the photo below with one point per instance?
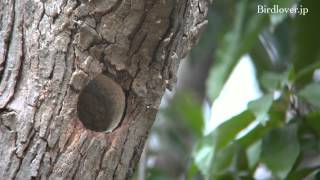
(101, 104)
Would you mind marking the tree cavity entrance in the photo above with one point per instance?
(101, 104)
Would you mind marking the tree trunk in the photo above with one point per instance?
(81, 82)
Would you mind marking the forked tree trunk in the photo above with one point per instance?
(81, 82)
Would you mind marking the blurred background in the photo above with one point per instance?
(247, 101)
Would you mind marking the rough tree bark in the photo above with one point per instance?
(52, 50)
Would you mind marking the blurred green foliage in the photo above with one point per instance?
(280, 133)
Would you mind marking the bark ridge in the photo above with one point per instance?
(51, 49)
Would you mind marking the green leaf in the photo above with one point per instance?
(241, 160)
(259, 131)
(211, 145)
(301, 174)
(227, 131)
(307, 39)
(192, 171)
(307, 71)
(313, 121)
(203, 154)
(223, 161)
(311, 93)
(234, 45)
(253, 154)
(251, 139)
(261, 108)
(272, 81)
(280, 149)
(253, 135)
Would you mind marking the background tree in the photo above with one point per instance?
(278, 132)
(81, 82)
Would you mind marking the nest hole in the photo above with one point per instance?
(101, 104)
